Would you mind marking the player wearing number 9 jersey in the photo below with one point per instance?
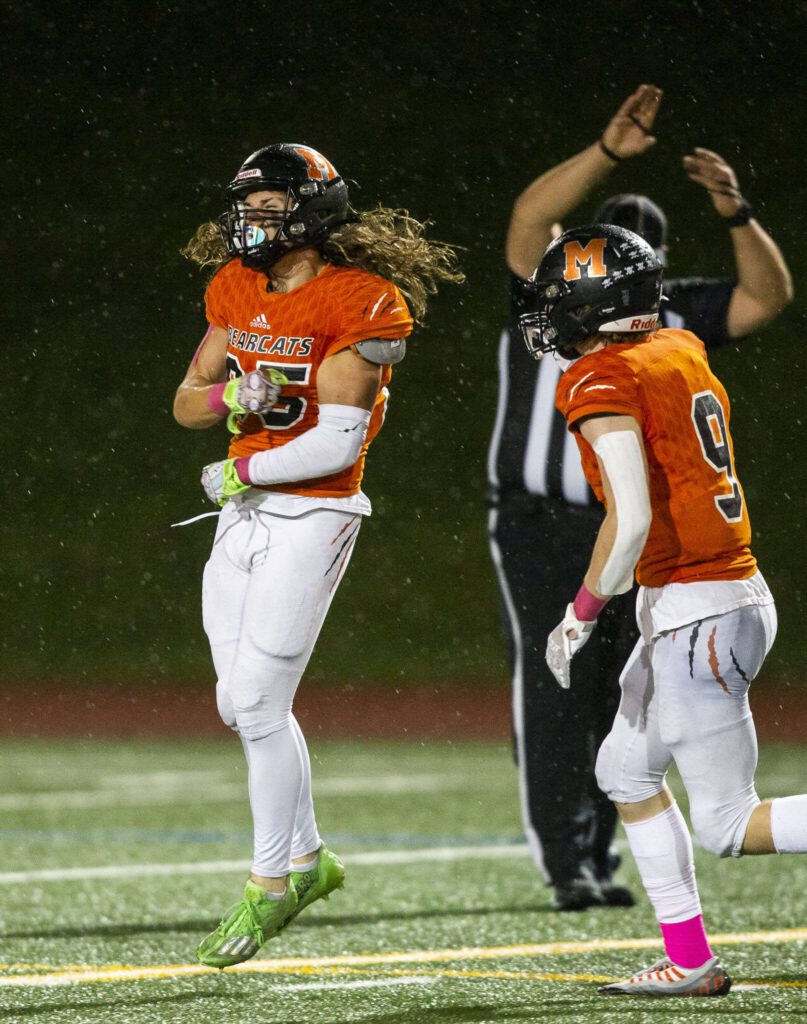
(307, 316)
(652, 423)
(699, 528)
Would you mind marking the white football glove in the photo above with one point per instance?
(259, 390)
(562, 646)
(221, 482)
(256, 392)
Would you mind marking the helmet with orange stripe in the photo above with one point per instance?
(283, 197)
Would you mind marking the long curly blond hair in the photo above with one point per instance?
(382, 241)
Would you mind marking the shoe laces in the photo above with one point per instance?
(256, 926)
(245, 920)
(655, 972)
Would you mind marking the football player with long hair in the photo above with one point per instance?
(307, 313)
(651, 421)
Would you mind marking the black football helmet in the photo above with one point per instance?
(596, 279)
(316, 203)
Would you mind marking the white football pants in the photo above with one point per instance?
(685, 699)
(266, 591)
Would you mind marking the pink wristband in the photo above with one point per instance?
(586, 606)
(242, 469)
(215, 400)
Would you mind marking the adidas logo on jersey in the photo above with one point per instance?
(260, 321)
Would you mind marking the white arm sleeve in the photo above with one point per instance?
(621, 455)
(333, 444)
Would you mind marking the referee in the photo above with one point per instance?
(543, 519)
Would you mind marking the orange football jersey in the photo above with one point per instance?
(700, 528)
(293, 332)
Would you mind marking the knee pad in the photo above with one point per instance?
(604, 768)
(621, 780)
(721, 830)
(225, 706)
(262, 693)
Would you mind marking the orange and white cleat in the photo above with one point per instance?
(664, 978)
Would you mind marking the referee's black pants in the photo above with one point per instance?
(541, 549)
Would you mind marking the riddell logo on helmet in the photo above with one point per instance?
(644, 324)
(252, 173)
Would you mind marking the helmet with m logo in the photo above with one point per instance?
(599, 279)
(316, 202)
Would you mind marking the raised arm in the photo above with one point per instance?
(557, 192)
(764, 286)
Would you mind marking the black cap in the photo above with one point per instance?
(639, 214)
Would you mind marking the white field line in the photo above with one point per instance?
(183, 777)
(152, 974)
(201, 791)
(369, 858)
(755, 986)
(299, 965)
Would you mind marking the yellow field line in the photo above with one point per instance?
(300, 965)
(443, 972)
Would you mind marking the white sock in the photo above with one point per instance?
(789, 823)
(277, 895)
(306, 865)
(275, 779)
(662, 849)
(306, 837)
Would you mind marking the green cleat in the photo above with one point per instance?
(317, 883)
(246, 926)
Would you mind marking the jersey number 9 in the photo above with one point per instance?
(710, 426)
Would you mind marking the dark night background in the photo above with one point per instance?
(125, 121)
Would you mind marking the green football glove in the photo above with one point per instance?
(221, 482)
(255, 392)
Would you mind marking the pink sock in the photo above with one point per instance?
(686, 943)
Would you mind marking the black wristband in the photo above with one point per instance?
(741, 217)
(609, 153)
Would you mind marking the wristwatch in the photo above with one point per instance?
(741, 217)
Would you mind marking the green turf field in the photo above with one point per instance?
(117, 858)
